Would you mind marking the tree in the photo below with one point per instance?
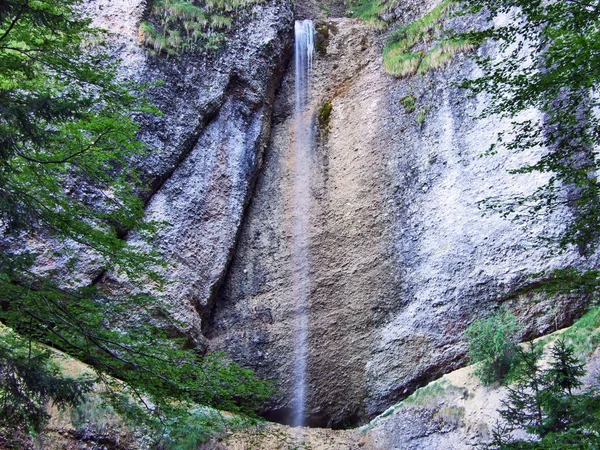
(551, 63)
(67, 136)
(545, 403)
(562, 378)
(524, 405)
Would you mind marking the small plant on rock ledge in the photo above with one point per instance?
(493, 345)
(422, 115)
(409, 102)
(325, 115)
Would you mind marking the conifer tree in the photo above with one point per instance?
(524, 404)
(545, 403)
(562, 378)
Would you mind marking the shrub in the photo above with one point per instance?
(409, 102)
(422, 115)
(492, 344)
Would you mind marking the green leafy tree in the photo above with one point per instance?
(551, 63)
(493, 345)
(67, 136)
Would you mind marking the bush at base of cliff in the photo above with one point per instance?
(492, 344)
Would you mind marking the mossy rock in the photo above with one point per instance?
(324, 30)
(409, 102)
(325, 115)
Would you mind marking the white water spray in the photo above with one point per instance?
(304, 48)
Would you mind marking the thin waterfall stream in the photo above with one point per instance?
(303, 51)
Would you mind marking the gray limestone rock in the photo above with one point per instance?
(401, 258)
(208, 144)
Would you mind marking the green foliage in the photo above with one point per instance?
(545, 403)
(400, 58)
(422, 115)
(201, 425)
(95, 416)
(177, 26)
(433, 393)
(29, 379)
(325, 114)
(376, 13)
(584, 335)
(425, 29)
(442, 54)
(415, 48)
(551, 63)
(409, 102)
(524, 404)
(370, 12)
(67, 137)
(493, 344)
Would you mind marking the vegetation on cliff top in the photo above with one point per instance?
(420, 46)
(417, 47)
(176, 26)
(66, 138)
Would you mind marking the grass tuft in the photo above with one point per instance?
(409, 102)
(370, 12)
(176, 26)
(584, 334)
(441, 55)
(402, 61)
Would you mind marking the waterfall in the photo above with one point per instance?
(304, 48)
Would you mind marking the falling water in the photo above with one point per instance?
(304, 48)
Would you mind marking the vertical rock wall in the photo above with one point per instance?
(401, 258)
(208, 144)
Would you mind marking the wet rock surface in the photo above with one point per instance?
(401, 259)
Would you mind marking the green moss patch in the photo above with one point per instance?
(409, 102)
(325, 115)
(324, 30)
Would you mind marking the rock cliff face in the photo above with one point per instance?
(207, 145)
(401, 259)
